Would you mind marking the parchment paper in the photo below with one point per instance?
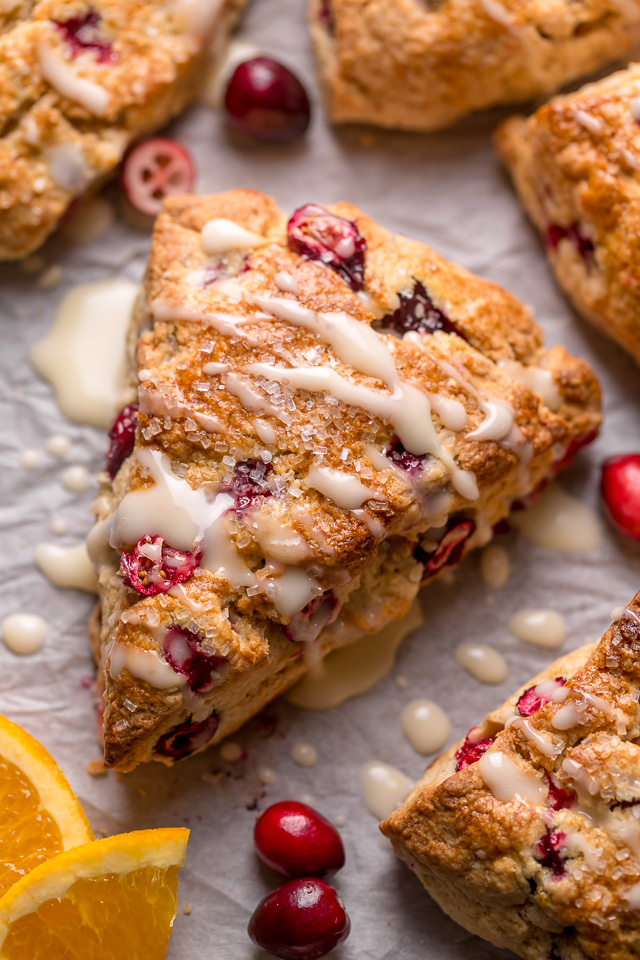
(448, 190)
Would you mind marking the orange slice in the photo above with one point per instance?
(40, 816)
(112, 899)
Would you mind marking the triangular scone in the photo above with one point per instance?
(299, 465)
(81, 81)
(422, 66)
(576, 165)
(528, 832)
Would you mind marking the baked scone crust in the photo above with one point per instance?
(575, 163)
(557, 876)
(416, 66)
(194, 369)
(68, 114)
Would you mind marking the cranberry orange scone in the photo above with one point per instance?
(575, 165)
(328, 415)
(79, 81)
(528, 832)
(422, 66)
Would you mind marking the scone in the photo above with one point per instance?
(328, 416)
(78, 83)
(575, 164)
(528, 832)
(422, 66)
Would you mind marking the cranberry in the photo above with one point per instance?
(555, 233)
(154, 567)
(412, 463)
(249, 483)
(471, 751)
(620, 487)
(266, 101)
(317, 234)
(183, 651)
(296, 840)
(575, 445)
(186, 738)
(83, 33)
(122, 436)
(529, 703)
(559, 798)
(418, 312)
(156, 169)
(301, 920)
(305, 626)
(449, 550)
(547, 851)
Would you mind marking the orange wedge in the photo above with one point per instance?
(112, 899)
(39, 814)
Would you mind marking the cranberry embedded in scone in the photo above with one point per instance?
(84, 33)
(559, 798)
(412, 463)
(122, 437)
(183, 650)
(530, 702)
(305, 626)
(471, 751)
(186, 738)
(418, 312)
(154, 567)
(449, 550)
(249, 483)
(317, 234)
(547, 851)
(555, 233)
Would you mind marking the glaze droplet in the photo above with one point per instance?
(425, 725)
(24, 633)
(543, 628)
(383, 788)
(483, 662)
(558, 521)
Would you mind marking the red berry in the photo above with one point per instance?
(306, 625)
(301, 920)
(297, 841)
(548, 851)
(183, 650)
(85, 33)
(530, 702)
(186, 738)
(620, 488)
(156, 169)
(154, 567)
(417, 311)
(559, 798)
(122, 437)
(471, 751)
(449, 550)
(318, 234)
(266, 101)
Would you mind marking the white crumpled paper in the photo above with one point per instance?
(450, 191)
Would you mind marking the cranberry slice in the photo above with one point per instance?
(297, 841)
(249, 484)
(449, 550)
(301, 920)
(620, 488)
(266, 101)
(412, 463)
(83, 33)
(156, 169)
(471, 751)
(306, 625)
(418, 312)
(154, 567)
(184, 653)
(122, 436)
(186, 738)
(555, 233)
(559, 798)
(317, 234)
(547, 852)
(529, 703)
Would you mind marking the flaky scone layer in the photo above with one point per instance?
(79, 83)
(418, 66)
(315, 459)
(575, 163)
(528, 832)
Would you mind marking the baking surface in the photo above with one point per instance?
(448, 190)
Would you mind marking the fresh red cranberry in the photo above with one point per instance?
(471, 751)
(249, 484)
(156, 169)
(576, 444)
(412, 463)
(301, 920)
(559, 798)
(317, 234)
(297, 841)
(122, 436)
(266, 101)
(555, 233)
(83, 33)
(155, 567)
(183, 650)
(449, 550)
(620, 487)
(187, 737)
(529, 703)
(418, 312)
(547, 851)
(305, 626)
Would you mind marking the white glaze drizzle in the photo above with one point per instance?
(64, 78)
(343, 488)
(537, 379)
(68, 167)
(546, 746)
(144, 665)
(507, 781)
(220, 235)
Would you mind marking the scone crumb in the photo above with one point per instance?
(186, 909)
(51, 277)
(402, 682)
(96, 768)
(142, 792)
(211, 776)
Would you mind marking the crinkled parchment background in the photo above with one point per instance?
(449, 191)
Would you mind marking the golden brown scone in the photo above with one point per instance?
(421, 66)
(528, 832)
(575, 163)
(328, 415)
(78, 83)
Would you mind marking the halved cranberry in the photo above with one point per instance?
(317, 234)
(418, 312)
(186, 738)
(576, 444)
(411, 462)
(155, 567)
(555, 233)
(249, 483)
(620, 487)
(471, 751)
(265, 100)
(305, 626)
(83, 33)
(449, 550)
(529, 703)
(301, 920)
(547, 851)
(156, 169)
(183, 650)
(559, 798)
(297, 841)
(122, 436)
